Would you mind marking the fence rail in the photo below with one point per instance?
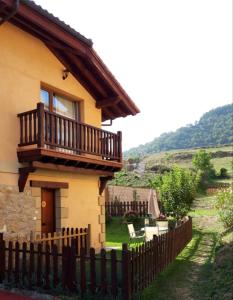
(81, 237)
(120, 273)
(42, 127)
(120, 208)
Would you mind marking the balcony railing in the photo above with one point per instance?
(47, 129)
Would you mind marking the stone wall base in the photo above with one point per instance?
(18, 211)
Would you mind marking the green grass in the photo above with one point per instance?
(203, 270)
(203, 212)
(117, 233)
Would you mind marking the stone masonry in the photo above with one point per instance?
(17, 210)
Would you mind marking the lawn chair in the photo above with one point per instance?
(163, 226)
(150, 232)
(146, 222)
(135, 236)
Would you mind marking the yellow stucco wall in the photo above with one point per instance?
(25, 62)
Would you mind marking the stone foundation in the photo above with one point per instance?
(17, 210)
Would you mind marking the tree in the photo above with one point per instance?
(201, 160)
(202, 164)
(177, 190)
(224, 205)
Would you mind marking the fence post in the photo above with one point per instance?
(119, 134)
(41, 125)
(126, 273)
(2, 258)
(88, 238)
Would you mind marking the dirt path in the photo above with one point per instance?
(187, 278)
(205, 226)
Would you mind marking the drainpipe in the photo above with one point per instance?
(107, 124)
(11, 14)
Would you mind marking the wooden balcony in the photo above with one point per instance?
(52, 141)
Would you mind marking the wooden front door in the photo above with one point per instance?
(48, 210)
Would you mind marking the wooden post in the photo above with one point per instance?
(2, 258)
(88, 238)
(92, 271)
(41, 127)
(119, 134)
(126, 273)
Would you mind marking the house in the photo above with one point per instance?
(55, 93)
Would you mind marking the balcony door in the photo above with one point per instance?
(59, 104)
(68, 108)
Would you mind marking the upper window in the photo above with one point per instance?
(59, 104)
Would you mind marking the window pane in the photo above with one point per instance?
(64, 107)
(44, 98)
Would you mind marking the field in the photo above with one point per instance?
(139, 173)
(178, 157)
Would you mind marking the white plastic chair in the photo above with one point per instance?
(163, 226)
(150, 232)
(135, 236)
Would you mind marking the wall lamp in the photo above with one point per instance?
(65, 74)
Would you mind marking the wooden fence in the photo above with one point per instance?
(120, 208)
(119, 274)
(81, 237)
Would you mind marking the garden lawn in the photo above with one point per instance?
(116, 233)
(202, 271)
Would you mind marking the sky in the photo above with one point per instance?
(173, 57)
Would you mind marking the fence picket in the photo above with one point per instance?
(114, 272)
(2, 258)
(92, 271)
(10, 261)
(55, 265)
(117, 209)
(47, 266)
(31, 265)
(83, 285)
(103, 272)
(24, 266)
(39, 264)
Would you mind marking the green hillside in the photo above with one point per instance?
(214, 128)
(153, 164)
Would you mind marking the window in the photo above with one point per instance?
(59, 104)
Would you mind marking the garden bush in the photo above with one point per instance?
(133, 217)
(223, 173)
(224, 205)
(177, 190)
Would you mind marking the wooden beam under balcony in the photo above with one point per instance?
(62, 168)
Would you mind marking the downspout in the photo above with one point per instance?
(11, 14)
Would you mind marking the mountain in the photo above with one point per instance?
(214, 128)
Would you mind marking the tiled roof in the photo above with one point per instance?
(57, 21)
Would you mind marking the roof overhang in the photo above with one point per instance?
(76, 53)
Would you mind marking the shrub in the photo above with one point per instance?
(132, 217)
(108, 219)
(223, 173)
(203, 166)
(224, 204)
(177, 190)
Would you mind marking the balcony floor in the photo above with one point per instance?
(62, 161)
